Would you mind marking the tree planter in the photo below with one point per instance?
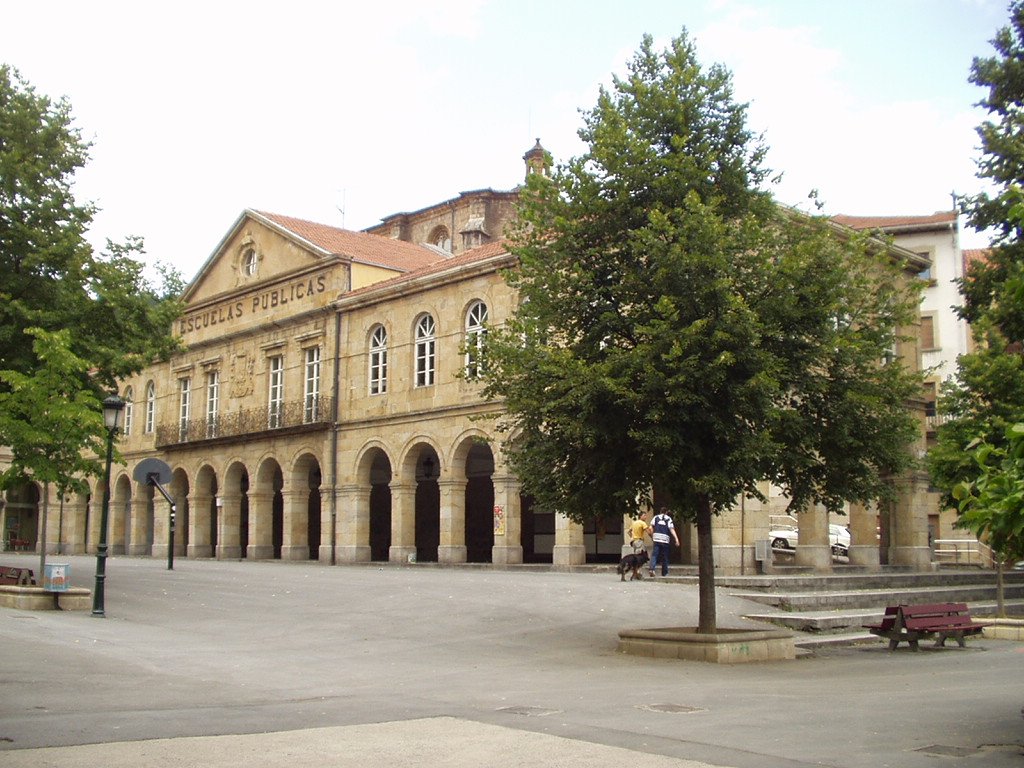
(725, 646)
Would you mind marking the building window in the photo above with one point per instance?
(129, 411)
(930, 398)
(185, 408)
(311, 398)
(275, 395)
(441, 238)
(250, 262)
(476, 336)
(150, 407)
(212, 402)
(928, 332)
(379, 361)
(426, 345)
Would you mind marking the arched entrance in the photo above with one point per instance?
(301, 540)
(380, 505)
(479, 503)
(428, 505)
(234, 513)
(203, 536)
(179, 491)
(120, 520)
(21, 517)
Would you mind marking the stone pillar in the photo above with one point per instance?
(199, 544)
(295, 542)
(229, 542)
(909, 523)
(403, 521)
(508, 522)
(328, 526)
(353, 532)
(863, 537)
(261, 525)
(92, 528)
(569, 547)
(452, 547)
(813, 548)
(48, 496)
(140, 531)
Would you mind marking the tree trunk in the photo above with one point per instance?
(707, 623)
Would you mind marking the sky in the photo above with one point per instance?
(344, 113)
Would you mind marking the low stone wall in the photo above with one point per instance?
(1003, 629)
(38, 599)
(726, 646)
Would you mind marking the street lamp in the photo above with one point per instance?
(112, 408)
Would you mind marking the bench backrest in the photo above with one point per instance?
(933, 609)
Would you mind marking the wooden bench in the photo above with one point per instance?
(912, 622)
(19, 577)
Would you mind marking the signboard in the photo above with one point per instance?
(499, 521)
(56, 577)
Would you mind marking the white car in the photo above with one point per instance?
(786, 537)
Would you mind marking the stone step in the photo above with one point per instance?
(847, 581)
(834, 621)
(870, 598)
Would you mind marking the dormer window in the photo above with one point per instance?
(250, 262)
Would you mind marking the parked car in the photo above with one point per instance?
(787, 537)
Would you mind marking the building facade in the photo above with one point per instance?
(323, 408)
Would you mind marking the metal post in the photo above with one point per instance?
(101, 550)
(170, 544)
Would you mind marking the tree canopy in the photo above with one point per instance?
(680, 331)
(100, 310)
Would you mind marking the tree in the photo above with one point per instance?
(680, 331)
(995, 286)
(992, 504)
(49, 276)
(95, 317)
(50, 423)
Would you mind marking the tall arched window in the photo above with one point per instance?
(426, 345)
(150, 408)
(379, 361)
(129, 411)
(476, 334)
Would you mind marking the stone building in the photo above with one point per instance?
(319, 411)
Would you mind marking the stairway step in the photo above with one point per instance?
(870, 598)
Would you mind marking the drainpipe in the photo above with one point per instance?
(334, 438)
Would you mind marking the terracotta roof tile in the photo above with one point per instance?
(972, 255)
(480, 253)
(358, 246)
(894, 222)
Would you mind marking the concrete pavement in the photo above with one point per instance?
(267, 664)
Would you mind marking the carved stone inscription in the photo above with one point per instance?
(262, 301)
(242, 368)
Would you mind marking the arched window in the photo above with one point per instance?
(129, 411)
(379, 361)
(150, 408)
(442, 238)
(476, 335)
(250, 262)
(426, 345)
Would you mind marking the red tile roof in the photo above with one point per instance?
(894, 222)
(481, 253)
(972, 255)
(358, 246)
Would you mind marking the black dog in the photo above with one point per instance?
(634, 563)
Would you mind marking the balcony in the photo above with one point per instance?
(288, 417)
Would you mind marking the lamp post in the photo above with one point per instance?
(112, 407)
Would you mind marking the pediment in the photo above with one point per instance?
(253, 252)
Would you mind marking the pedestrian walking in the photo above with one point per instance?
(663, 531)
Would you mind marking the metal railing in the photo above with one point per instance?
(316, 411)
(963, 552)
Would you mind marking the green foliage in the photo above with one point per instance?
(992, 505)
(49, 422)
(679, 330)
(996, 286)
(49, 276)
(984, 399)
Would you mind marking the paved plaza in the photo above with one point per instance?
(296, 664)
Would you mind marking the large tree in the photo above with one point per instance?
(680, 331)
(987, 393)
(995, 286)
(111, 316)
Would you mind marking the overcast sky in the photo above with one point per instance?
(344, 112)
